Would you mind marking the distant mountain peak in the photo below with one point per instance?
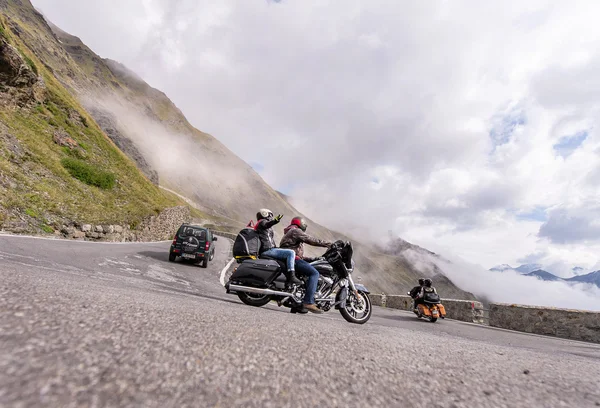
(528, 268)
(592, 277)
(501, 268)
(543, 275)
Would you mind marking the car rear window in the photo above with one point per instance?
(193, 232)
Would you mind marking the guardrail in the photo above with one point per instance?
(550, 321)
(225, 234)
(564, 323)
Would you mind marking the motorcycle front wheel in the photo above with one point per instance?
(253, 299)
(357, 310)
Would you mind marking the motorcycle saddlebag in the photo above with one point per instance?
(442, 309)
(256, 272)
(424, 310)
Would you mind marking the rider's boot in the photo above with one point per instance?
(291, 278)
(299, 309)
(312, 308)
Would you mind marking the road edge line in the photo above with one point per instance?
(224, 271)
(3, 234)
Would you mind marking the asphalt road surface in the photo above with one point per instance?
(84, 324)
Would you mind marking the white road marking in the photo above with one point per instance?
(8, 254)
(108, 261)
(224, 271)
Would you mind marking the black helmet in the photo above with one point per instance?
(427, 282)
(264, 214)
(300, 222)
(421, 281)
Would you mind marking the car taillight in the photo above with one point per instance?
(207, 247)
(175, 239)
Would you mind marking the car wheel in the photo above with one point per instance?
(204, 263)
(172, 257)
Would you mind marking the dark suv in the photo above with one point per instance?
(193, 243)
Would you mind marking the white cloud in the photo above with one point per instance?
(580, 224)
(512, 287)
(436, 120)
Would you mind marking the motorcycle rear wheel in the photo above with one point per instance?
(350, 312)
(253, 299)
(433, 319)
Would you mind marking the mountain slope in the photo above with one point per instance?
(528, 268)
(56, 165)
(145, 125)
(543, 275)
(592, 277)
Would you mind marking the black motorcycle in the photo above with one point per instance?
(258, 281)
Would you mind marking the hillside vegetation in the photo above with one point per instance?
(89, 140)
(56, 164)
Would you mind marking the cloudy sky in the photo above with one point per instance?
(469, 128)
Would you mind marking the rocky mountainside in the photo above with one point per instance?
(56, 164)
(95, 110)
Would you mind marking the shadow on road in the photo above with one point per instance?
(403, 317)
(159, 256)
(197, 294)
(164, 257)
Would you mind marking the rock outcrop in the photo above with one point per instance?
(62, 138)
(19, 82)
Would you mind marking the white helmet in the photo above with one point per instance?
(264, 213)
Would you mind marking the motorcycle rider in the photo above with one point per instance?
(426, 288)
(415, 291)
(264, 227)
(294, 238)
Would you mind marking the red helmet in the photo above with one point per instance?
(299, 221)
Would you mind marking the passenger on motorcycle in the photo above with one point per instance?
(264, 228)
(294, 238)
(426, 288)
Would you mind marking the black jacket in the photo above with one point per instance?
(264, 229)
(415, 291)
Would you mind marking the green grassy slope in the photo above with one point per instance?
(36, 186)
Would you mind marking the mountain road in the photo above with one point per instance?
(116, 324)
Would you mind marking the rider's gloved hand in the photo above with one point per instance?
(278, 217)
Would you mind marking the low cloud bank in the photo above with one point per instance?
(509, 286)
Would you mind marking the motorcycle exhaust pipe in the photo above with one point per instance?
(260, 291)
